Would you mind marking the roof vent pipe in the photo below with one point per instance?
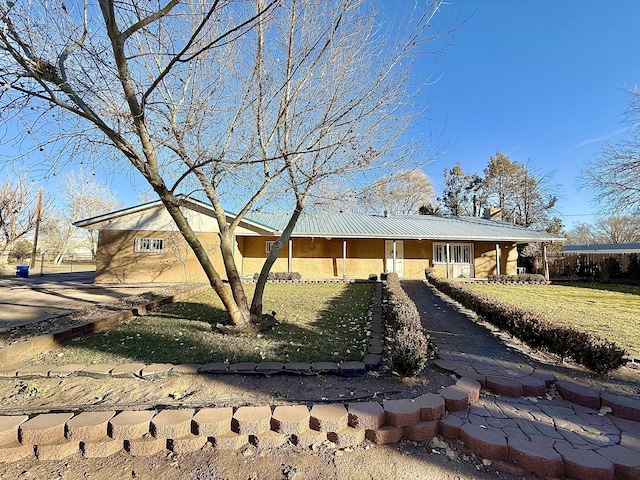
(386, 214)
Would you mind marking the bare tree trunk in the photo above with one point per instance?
(256, 304)
(239, 316)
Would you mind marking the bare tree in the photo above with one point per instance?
(400, 193)
(613, 178)
(618, 229)
(17, 213)
(581, 234)
(240, 102)
(83, 197)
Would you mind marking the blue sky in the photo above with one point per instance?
(542, 81)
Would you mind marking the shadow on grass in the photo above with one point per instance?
(609, 287)
(185, 332)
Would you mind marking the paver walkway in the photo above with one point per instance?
(522, 427)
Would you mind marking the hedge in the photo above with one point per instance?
(281, 276)
(408, 347)
(595, 353)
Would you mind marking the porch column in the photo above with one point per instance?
(344, 258)
(497, 259)
(447, 257)
(545, 262)
(394, 256)
(290, 259)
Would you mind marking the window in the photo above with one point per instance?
(459, 253)
(149, 245)
(439, 255)
(269, 246)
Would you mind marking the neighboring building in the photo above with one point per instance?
(142, 244)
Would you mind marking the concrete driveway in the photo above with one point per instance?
(36, 298)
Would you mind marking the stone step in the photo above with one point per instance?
(9, 428)
(431, 406)
(401, 413)
(290, 419)
(172, 423)
(101, 447)
(88, 426)
(130, 424)
(488, 443)
(573, 392)
(211, 422)
(44, 428)
(251, 420)
(329, 418)
(366, 415)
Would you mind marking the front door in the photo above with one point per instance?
(462, 260)
(395, 256)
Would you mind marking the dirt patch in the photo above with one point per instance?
(405, 460)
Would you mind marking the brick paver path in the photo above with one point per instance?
(518, 427)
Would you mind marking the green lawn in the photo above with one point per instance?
(317, 322)
(609, 311)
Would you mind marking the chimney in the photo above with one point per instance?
(493, 213)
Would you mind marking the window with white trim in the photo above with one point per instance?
(148, 245)
(459, 253)
(269, 245)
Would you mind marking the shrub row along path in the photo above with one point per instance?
(522, 422)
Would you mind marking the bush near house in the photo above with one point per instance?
(533, 278)
(407, 345)
(279, 276)
(595, 353)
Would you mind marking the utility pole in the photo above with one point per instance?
(35, 236)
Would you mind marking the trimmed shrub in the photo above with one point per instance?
(595, 353)
(520, 278)
(281, 276)
(408, 351)
(407, 345)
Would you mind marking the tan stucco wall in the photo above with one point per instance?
(485, 264)
(418, 255)
(252, 252)
(117, 262)
(318, 257)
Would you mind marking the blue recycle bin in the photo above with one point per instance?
(22, 271)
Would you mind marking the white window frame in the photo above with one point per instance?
(148, 245)
(464, 252)
(268, 246)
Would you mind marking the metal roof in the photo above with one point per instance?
(350, 225)
(354, 225)
(603, 248)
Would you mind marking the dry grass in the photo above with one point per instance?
(315, 323)
(609, 311)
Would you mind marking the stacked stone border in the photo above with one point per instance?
(583, 444)
(12, 355)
